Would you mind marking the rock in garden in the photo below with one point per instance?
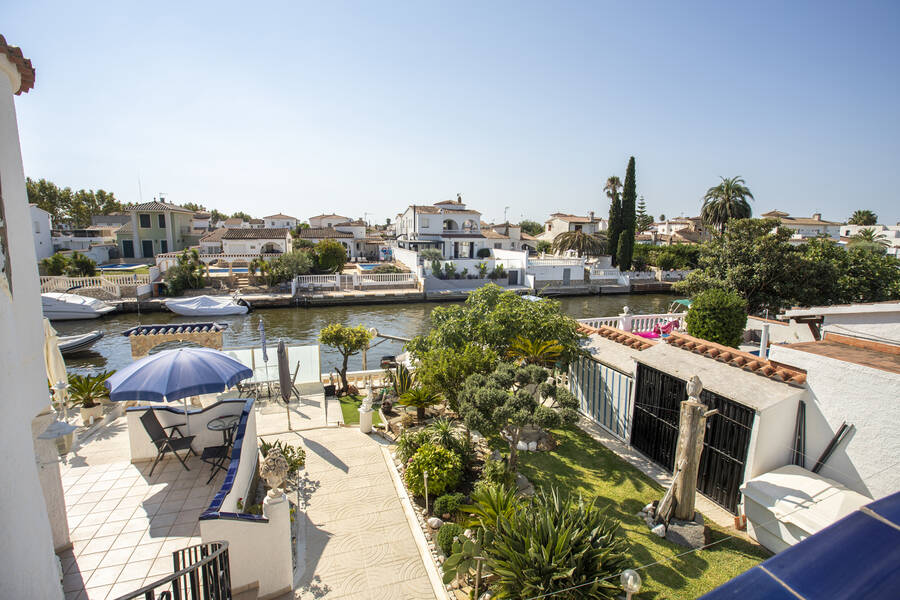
(659, 530)
(435, 523)
(690, 534)
(476, 435)
(522, 446)
(532, 446)
(495, 455)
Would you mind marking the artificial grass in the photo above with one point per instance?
(581, 465)
(350, 409)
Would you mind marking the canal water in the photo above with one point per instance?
(302, 325)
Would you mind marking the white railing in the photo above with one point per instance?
(171, 258)
(635, 323)
(672, 275)
(386, 279)
(555, 262)
(632, 275)
(318, 281)
(355, 281)
(600, 273)
(108, 283)
(378, 377)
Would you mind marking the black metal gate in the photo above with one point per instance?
(654, 431)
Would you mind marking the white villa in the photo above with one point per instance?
(353, 235)
(40, 224)
(889, 233)
(805, 227)
(508, 237)
(561, 223)
(447, 226)
(322, 221)
(201, 220)
(280, 221)
(234, 223)
(256, 241)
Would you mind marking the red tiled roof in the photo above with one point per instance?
(256, 234)
(318, 233)
(494, 235)
(280, 216)
(617, 335)
(738, 358)
(23, 65)
(157, 206)
(574, 218)
(214, 236)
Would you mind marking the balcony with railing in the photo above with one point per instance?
(199, 572)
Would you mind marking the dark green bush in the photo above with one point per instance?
(483, 252)
(409, 442)
(718, 316)
(666, 261)
(445, 536)
(495, 472)
(387, 269)
(448, 503)
(444, 470)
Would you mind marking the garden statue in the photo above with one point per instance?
(274, 469)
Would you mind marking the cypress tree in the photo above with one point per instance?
(627, 218)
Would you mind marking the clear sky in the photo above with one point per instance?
(359, 108)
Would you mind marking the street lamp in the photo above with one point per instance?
(60, 388)
(425, 478)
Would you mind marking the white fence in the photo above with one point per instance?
(108, 283)
(556, 262)
(355, 281)
(602, 273)
(635, 323)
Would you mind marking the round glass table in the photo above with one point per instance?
(224, 424)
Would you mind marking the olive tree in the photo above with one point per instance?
(346, 340)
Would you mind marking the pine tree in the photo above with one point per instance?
(613, 188)
(643, 219)
(628, 218)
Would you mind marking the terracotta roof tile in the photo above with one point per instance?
(23, 65)
(617, 335)
(256, 234)
(737, 358)
(157, 206)
(318, 233)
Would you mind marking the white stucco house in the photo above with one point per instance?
(448, 226)
(256, 241)
(235, 223)
(40, 230)
(211, 242)
(322, 221)
(280, 221)
(853, 377)
(201, 220)
(33, 519)
(562, 222)
(805, 227)
(888, 233)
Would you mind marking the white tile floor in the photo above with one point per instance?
(125, 524)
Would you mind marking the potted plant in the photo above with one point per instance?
(85, 392)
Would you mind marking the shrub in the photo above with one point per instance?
(444, 470)
(639, 263)
(85, 390)
(543, 246)
(482, 270)
(420, 398)
(554, 543)
(430, 254)
(498, 273)
(665, 261)
(718, 316)
(464, 273)
(409, 442)
(81, 266)
(387, 269)
(407, 420)
(55, 265)
(294, 455)
(495, 472)
(186, 274)
(285, 267)
(330, 256)
(445, 536)
(448, 504)
(436, 269)
(449, 270)
(483, 252)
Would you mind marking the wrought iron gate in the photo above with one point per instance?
(654, 432)
(604, 395)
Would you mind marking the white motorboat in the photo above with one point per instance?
(59, 306)
(72, 344)
(208, 306)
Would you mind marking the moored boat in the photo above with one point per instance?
(60, 306)
(72, 344)
(208, 306)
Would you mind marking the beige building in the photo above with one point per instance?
(257, 241)
(322, 221)
(562, 223)
(806, 227)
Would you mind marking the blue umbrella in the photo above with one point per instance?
(262, 336)
(176, 374)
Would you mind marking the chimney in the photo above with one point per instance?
(591, 214)
(817, 216)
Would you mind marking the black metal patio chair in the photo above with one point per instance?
(215, 456)
(166, 442)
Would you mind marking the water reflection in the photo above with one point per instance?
(302, 325)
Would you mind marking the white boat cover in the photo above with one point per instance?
(205, 306)
(62, 306)
(803, 498)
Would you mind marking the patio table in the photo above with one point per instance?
(226, 425)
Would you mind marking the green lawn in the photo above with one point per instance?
(350, 410)
(581, 465)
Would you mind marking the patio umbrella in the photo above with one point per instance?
(175, 375)
(53, 360)
(284, 379)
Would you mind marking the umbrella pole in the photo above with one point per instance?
(187, 418)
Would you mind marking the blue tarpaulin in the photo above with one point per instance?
(857, 557)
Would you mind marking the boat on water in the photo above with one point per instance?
(72, 344)
(62, 306)
(208, 306)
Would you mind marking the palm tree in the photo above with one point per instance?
(863, 217)
(728, 200)
(613, 187)
(421, 398)
(535, 352)
(869, 236)
(582, 243)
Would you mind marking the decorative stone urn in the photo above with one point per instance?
(274, 469)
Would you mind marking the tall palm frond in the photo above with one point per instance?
(582, 243)
(863, 217)
(869, 235)
(613, 187)
(728, 200)
(535, 352)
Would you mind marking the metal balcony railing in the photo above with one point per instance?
(201, 572)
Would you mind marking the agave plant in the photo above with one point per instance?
(555, 543)
(400, 380)
(85, 390)
(490, 503)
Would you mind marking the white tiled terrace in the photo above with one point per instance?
(125, 525)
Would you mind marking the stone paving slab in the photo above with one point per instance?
(358, 543)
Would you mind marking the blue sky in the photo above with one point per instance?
(360, 108)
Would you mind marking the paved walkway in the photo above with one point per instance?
(358, 543)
